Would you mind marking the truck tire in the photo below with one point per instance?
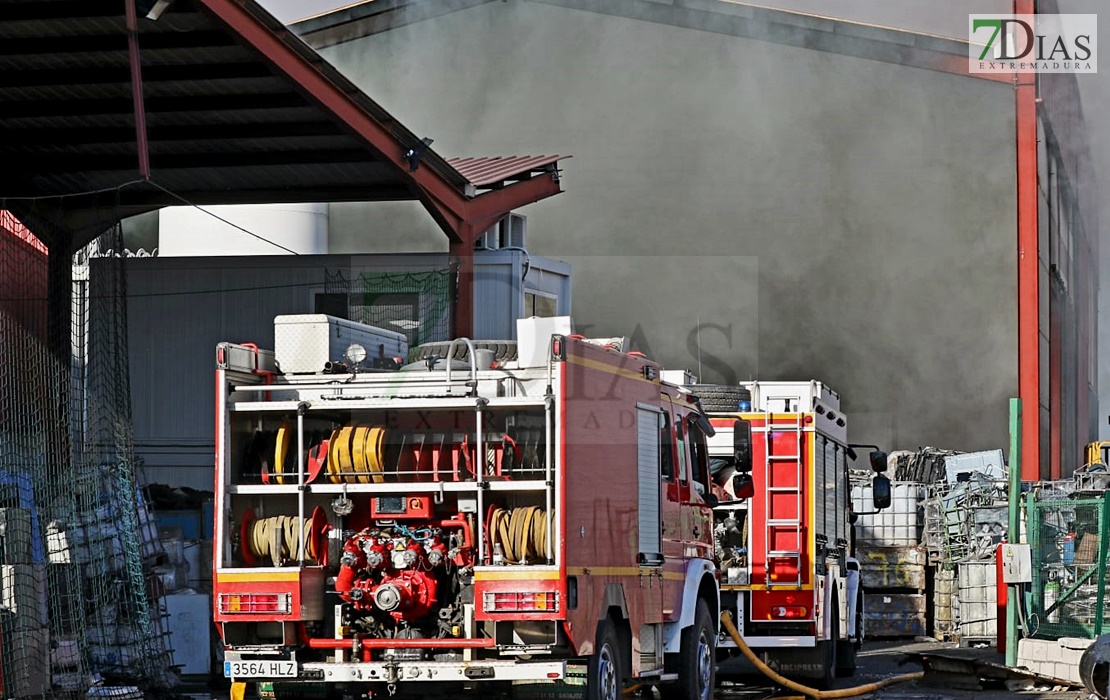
(846, 649)
(697, 660)
(720, 398)
(604, 675)
(829, 649)
(503, 350)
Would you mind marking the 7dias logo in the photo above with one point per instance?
(1034, 43)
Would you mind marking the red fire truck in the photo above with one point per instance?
(783, 526)
(416, 531)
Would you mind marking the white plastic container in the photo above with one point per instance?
(897, 526)
(978, 599)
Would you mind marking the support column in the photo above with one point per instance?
(462, 252)
(1028, 279)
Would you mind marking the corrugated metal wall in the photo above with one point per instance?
(1068, 219)
(744, 208)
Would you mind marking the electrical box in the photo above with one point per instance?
(1017, 563)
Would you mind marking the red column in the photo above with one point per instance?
(1025, 95)
(462, 251)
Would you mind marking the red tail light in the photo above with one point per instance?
(253, 603)
(788, 612)
(543, 601)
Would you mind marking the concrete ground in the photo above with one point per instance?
(883, 659)
(877, 660)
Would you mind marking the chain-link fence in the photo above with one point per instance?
(1068, 537)
(78, 602)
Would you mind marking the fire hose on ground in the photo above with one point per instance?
(726, 620)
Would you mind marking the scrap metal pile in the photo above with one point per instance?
(948, 515)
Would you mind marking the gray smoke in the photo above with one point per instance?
(823, 216)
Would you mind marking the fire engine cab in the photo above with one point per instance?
(462, 521)
(783, 526)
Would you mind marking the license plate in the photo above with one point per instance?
(260, 669)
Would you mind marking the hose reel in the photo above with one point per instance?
(521, 532)
(277, 538)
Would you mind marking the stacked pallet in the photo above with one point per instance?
(965, 517)
(892, 560)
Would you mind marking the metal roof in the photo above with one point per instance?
(232, 108)
(494, 171)
(728, 17)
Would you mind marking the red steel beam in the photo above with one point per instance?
(460, 217)
(328, 95)
(137, 87)
(1025, 106)
(463, 253)
(453, 208)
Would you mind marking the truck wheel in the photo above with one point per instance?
(697, 663)
(830, 648)
(604, 675)
(846, 649)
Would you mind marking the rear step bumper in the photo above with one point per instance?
(435, 671)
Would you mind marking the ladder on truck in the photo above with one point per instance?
(783, 502)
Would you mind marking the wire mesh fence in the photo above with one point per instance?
(78, 603)
(1068, 537)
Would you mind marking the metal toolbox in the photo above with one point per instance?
(304, 343)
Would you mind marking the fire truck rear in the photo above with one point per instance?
(783, 527)
(447, 525)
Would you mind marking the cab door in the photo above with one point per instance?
(675, 493)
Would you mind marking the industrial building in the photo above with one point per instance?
(762, 193)
(757, 193)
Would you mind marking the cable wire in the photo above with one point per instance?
(220, 218)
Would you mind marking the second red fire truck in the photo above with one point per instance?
(784, 526)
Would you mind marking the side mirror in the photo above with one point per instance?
(742, 445)
(703, 424)
(880, 491)
(743, 486)
(878, 461)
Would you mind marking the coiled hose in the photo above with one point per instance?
(278, 538)
(726, 620)
(356, 455)
(521, 532)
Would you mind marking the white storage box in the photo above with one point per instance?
(304, 343)
(533, 338)
(791, 397)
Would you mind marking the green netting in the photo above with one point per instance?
(417, 304)
(78, 600)
(1068, 538)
